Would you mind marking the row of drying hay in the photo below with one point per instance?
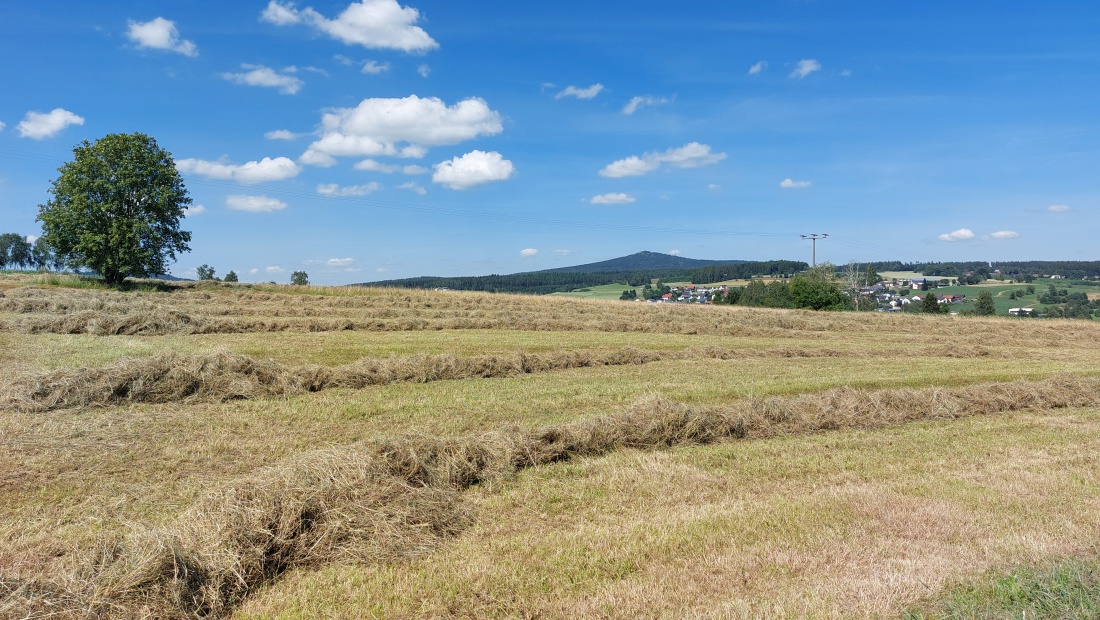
(220, 377)
(162, 322)
(113, 313)
(221, 310)
(379, 501)
(963, 334)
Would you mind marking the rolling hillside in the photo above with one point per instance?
(636, 268)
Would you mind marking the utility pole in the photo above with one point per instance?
(813, 239)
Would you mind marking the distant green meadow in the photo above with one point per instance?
(1001, 291)
(606, 291)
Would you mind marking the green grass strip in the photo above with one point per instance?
(1064, 591)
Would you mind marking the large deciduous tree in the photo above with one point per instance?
(116, 208)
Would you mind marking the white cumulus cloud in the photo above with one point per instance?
(39, 125)
(161, 34)
(2, 125)
(528, 252)
(424, 70)
(792, 184)
(266, 77)
(254, 204)
(373, 67)
(473, 168)
(340, 262)
(316, 158)
(691, 155)
(805, 67)
(413, 169)
(642, 101)
(332, 189)
(402, 127)
(1058, 208)
(413, 187)
(961, 234)
(675, 252)
(194, 210)
(371, 165)
(580, 93)
(375, 24)
(612, 199)
(267, 169)
(280, 134)
(1005, 234)
(758, 67)
(275, 269)
(631, 167)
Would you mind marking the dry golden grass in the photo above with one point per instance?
(836, 525)
(217, 309)
(225, 377)
(135, 481)
(383, 500)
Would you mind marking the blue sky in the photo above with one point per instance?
(379, 139)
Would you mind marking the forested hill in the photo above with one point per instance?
(545, 282)
(639, 262)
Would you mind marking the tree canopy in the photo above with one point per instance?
(985, 306)
(816, 291)
(931, 304)
(15, 251)
(116, 208)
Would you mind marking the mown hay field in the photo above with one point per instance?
(276, 452)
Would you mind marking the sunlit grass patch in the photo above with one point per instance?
(842, 522)
(838, 525)
(49, 351)
(1066, 590)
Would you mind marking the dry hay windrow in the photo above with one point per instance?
(218, 309)
(324, 506)
(221, 377)
(386, 500)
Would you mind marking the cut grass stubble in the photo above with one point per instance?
(382, 500)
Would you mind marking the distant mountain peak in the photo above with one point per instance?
(639, 261)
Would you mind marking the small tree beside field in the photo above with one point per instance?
(985, 306)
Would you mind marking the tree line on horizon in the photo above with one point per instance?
(17, 252)
(1016, 270)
